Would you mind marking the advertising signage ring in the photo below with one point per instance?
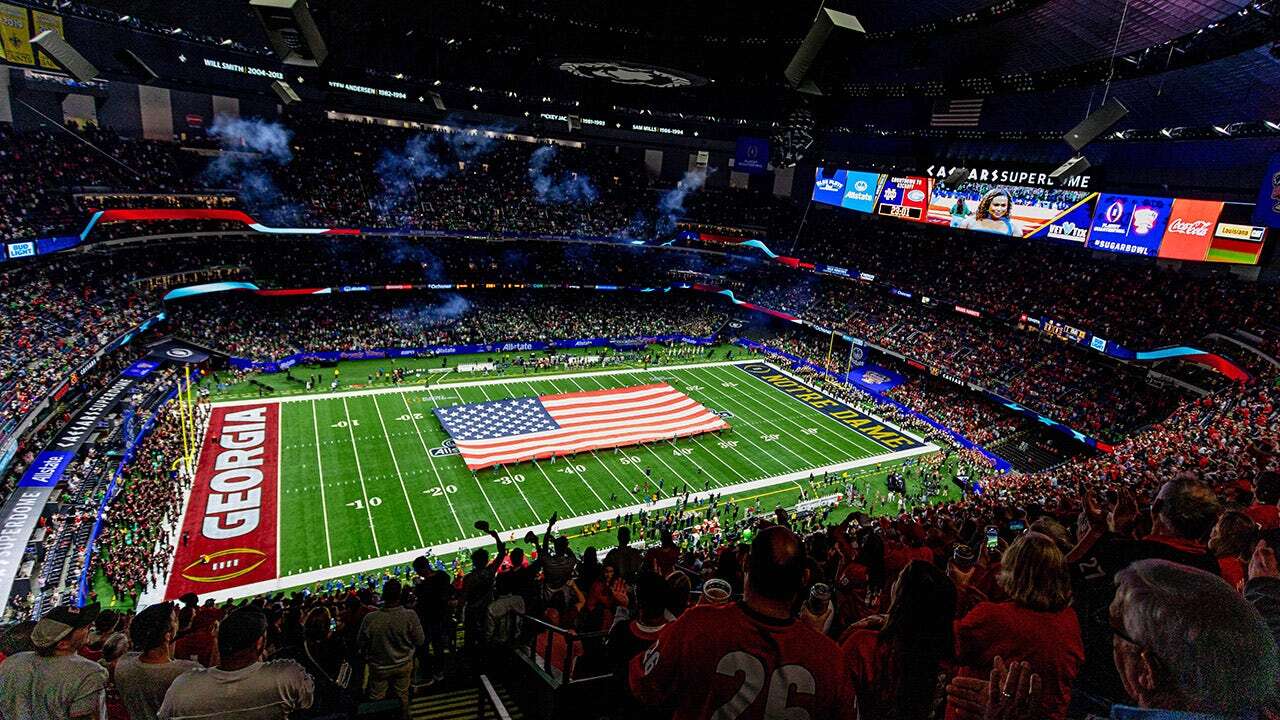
(860, 190)
(829, 190)
(1129, 225)
(903, 197)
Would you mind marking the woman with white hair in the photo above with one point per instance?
(1186, 642)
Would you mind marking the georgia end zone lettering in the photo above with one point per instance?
(855, 420)
(230, 524)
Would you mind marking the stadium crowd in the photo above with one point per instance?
(272, 328)
(1047, 595)
(1058, 586)
(136, 545)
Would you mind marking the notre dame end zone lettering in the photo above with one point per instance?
(855, 420)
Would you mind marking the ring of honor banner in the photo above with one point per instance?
(15, 35)
(41, 21)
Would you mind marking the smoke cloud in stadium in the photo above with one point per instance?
(430, 156)
(567, 187)
(250, 146)
(671, 205)
(402, 251)
(428, 315)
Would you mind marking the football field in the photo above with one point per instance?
(293, 490)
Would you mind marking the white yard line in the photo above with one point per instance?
(593, 452)
(364, 492)
(396, 464)
(811, 386)
(538, 465)
(474, 383)
(765, 417)
(779, 442)
(506, 474)
(446, 549)
(685, 481)
(324, 503)
(439, 481)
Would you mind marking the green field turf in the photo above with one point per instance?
(359, 374)
(358, 481)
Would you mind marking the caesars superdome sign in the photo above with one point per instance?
(1025, 176)
(629, 73)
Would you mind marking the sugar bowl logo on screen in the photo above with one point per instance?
(1129, 225)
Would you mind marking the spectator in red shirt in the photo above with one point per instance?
(201, 643)
(663, 558)
(898, 671)
(1036, 625)
(629, 639)
(1232, 541)
(1265, 509)
(752, 659)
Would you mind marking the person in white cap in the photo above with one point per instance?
(54, 681)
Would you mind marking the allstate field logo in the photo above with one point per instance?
(1114, 212)
(448, 447)
(830, 185)
(915, 195)
(860, 186)
(224, 565)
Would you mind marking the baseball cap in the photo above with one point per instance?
(61, 622)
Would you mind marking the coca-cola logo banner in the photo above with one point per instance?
(1190, 229)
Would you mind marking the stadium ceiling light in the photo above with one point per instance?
(225, 42)
(436, 83)
(1272, 125)
(1165, 132)
(1222, 130)
(124, 18)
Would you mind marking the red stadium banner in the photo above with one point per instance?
(230, 526)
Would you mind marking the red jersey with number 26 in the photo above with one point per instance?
(729, 663)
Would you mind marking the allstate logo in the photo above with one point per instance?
(915, 195)
(178, 353)
(1114, 211)
(830, 185)
(860, 186)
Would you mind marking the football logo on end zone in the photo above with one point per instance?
(225, 564)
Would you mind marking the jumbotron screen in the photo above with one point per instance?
(1172, 228)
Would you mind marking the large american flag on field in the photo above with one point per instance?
(500, 432)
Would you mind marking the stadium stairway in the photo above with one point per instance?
(464, 704)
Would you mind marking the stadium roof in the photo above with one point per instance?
(1179, 62)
